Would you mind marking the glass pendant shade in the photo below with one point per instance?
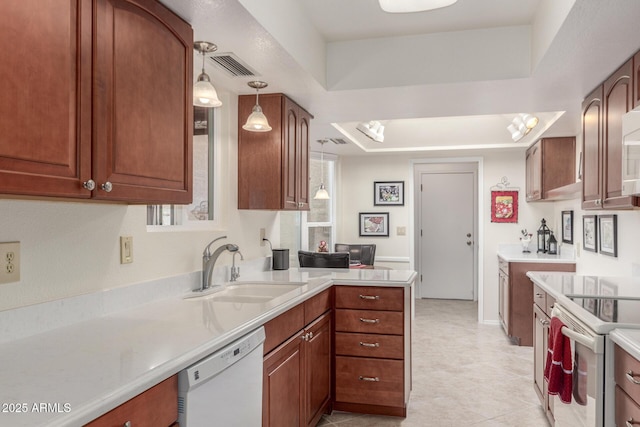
(322, 193)
(257, 121)
(204, 94)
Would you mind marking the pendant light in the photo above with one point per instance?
(204, 94)
(322, 193)
(257, 121)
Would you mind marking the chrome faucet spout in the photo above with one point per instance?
(209, 260)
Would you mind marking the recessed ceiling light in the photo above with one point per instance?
(408, 6)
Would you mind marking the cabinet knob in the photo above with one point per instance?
(107, 186)
(127, 424)
(310, 335)
(89, 185)
(544, 322)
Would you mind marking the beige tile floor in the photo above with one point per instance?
(464, 374)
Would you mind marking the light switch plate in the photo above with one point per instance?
(9, 262)
(126, 249)
(401, 231)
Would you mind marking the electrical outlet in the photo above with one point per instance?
(262, 236)
(9, 262)
(126, 249)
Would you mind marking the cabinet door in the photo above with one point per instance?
(592, 119)
(534, 172)
(540, 326)
(302, 191)
(45, 106)
(282, 389)
(142, 106)
(618, 100)
(318, 368)
(290, 154)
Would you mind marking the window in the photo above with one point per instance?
(319, 223)
(201, 212)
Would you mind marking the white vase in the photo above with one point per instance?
(524, 241)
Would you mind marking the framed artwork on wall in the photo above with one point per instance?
(590, 233)
(608, 227)
(567, 227)
(200, 120)
(388, 193)
(374, 224)
(504, 206)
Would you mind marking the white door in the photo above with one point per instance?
(447, 230)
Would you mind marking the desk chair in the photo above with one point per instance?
(323, 259)
(363, 254)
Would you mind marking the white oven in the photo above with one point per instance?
(588, 393)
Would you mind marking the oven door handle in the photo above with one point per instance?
(586, 341)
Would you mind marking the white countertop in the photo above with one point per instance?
(87, 368)
(513, 253)
(628, 339)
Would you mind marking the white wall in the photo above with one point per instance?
(356, 177)
(72, 248)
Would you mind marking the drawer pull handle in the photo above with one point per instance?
(630, 422)
(368, 344)
(371, 379)
(631, 377)
(362, 319)
(544, 322)
(374, 297)
(538, 295)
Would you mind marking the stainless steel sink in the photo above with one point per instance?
(248, 292)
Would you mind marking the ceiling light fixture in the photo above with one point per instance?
(521, 125)
(204, 94)
(322, 193)
(373, 130)
(257, 121)
(408, 6)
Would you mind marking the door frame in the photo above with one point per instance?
(414, 219)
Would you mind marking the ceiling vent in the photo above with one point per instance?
(233, 65)
(338, 141)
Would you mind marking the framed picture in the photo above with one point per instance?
(590, 233)
(567, 227)
(504, 206)
(200, 120)
(374, 224)
(608, 226)
(608, 306)
(388, 193)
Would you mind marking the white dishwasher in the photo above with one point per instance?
(225, 388)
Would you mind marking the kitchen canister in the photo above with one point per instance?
(280, 259)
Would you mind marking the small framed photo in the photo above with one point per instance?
(608, 306)
(374, 224)
(590, 233)
(200, 120)
(608, 226)
(567, 227)
(388, 193)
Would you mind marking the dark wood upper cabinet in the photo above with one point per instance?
(550, 164)
(602, 113)
(273, 167)
(85, 102)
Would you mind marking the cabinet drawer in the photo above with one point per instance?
(156, 407)
(550, 301)
(369, 321)
(370, 345)
(369, 381)
(369, 298)
(315, 306)
(626, 408)
(627, 368)
(539, 297)
(503, 265)
(279, 329)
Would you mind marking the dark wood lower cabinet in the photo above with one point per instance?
(297, 373)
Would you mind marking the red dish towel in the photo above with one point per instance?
(558, 368)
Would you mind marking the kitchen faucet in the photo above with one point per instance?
(209, 260)
(235, 271)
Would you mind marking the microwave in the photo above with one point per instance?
(631, 153)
